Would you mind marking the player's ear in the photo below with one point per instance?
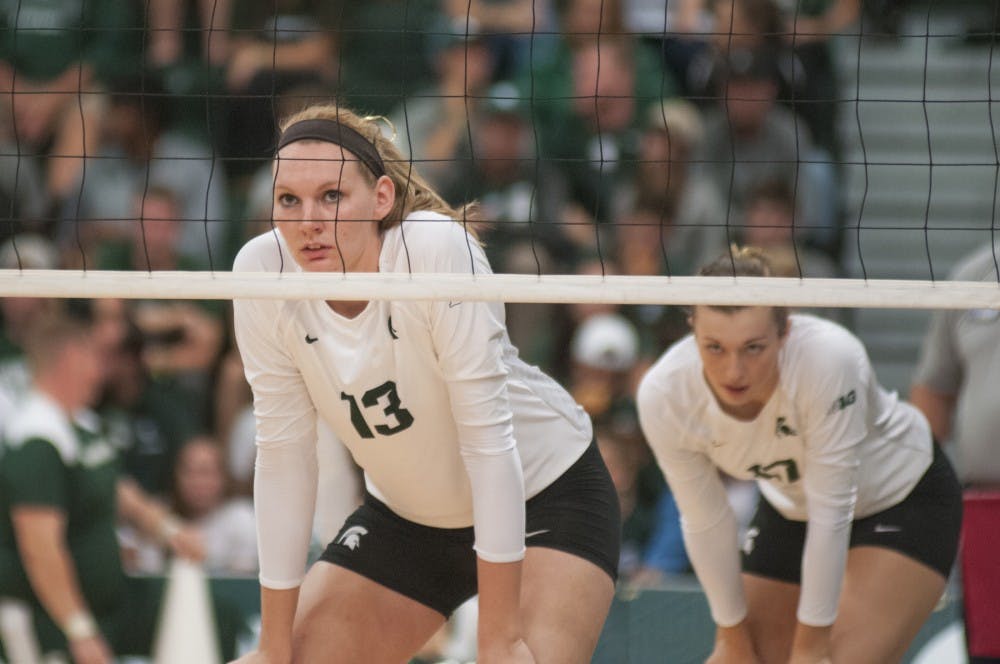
(385, 196)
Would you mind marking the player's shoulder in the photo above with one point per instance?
(822, 345)
(811, 331)
(674, 374)
(429, 241)
(264, 253)
(428, 229)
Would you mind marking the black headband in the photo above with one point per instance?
(334, 132)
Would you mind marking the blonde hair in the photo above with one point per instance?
(743, 262)
(413, 193)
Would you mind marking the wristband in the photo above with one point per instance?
(169, 527)
(80, 625)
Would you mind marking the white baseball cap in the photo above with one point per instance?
(605, 341)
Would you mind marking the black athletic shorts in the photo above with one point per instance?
(578, 514)
(925, 526)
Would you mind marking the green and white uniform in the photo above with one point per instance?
(830, 446)
(50, 460)
(452, 428)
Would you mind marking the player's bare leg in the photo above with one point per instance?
(771, 607)
(564, 601)
(886, 599)
(345, 617)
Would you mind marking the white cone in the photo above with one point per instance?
(186, 631)
(17, 632)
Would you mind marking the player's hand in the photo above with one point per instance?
(513, 653)
(91, 650)
(724, 653)
(810, 657)
(258, 657)
(733, 645)
(811, 645)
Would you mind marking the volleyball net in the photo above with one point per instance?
(631, 144)
(613, 146)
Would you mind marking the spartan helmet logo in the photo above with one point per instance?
(781, 428)
(352, 537)
(750, 540)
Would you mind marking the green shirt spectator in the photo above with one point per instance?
(49, 460)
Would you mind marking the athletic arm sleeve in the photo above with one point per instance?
(707, 520)
(836, 424)
(285, 470)
(468, 338)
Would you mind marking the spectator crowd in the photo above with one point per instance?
(598, 137)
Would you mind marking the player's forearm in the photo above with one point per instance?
(277, 615)
(499, 605)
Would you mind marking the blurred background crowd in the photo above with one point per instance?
(630, 137)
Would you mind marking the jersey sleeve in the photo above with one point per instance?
(707, 520)
(286, 467)
(835, 399)
(469, 339)
(34, 474)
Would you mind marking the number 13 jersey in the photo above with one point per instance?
(412, 388)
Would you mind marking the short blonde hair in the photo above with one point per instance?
(413, 193)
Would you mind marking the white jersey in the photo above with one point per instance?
(830, 445)
(430, 398)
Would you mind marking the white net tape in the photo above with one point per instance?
(882, 293)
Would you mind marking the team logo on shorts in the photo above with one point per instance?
(750, 540)
(352, 537)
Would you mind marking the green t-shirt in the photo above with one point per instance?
(48, 460)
